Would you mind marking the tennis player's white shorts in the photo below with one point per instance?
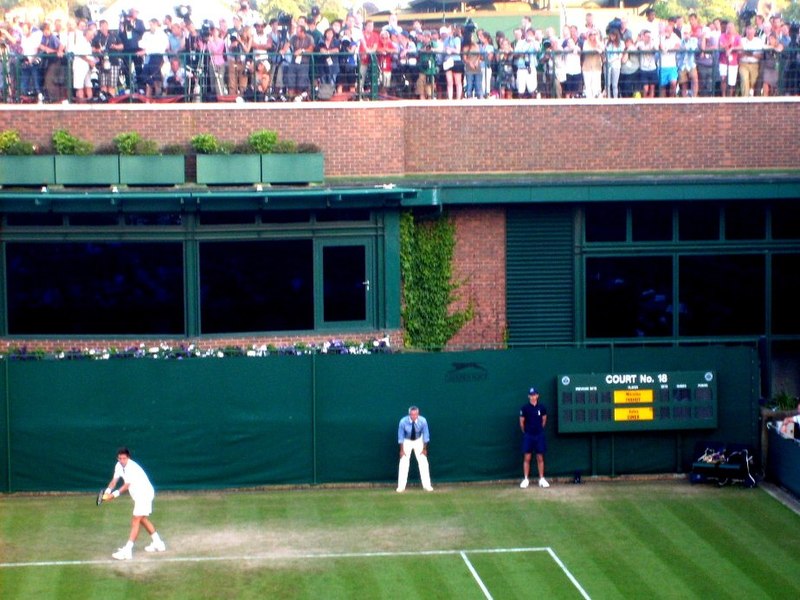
(143, 505)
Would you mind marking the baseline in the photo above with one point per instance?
(322, 555)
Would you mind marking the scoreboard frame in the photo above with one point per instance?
(637, 401)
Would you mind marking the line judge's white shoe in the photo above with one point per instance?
(543, 483)
(154, 546)
(123, 554)
(428, 489)
(525, 483)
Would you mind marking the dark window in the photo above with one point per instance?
(150, 219)
(34, 220)
(697, 222)
(228, 218)
(785, 274)
(256, 286)
(721, 295)
(344, 269)
(629, 297)
(651, 222)
(785, 217)
(745, 221)
(342, 214)
(605, 223)
(95, 288)
(285, 216)
(99, 219)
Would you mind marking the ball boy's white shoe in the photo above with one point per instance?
(525, 483)
(543, 483)
(154, 546)
(123, 554)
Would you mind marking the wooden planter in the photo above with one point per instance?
(292, 168)
(152, 170)
(27, 170)
(228, 169)
(87, 170)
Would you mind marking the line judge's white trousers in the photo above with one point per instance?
(415, 446)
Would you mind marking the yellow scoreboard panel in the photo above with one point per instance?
(637, 401)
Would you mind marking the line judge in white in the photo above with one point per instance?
(141, 490)
(413, 436)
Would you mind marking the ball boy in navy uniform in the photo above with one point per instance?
(532, 420)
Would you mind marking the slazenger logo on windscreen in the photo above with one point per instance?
(466, 371)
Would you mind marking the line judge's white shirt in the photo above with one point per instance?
(138, 483)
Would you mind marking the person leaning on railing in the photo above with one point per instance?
(769, 65)
(752, 51)
(687, 66)
(730, 44)
(615, 51)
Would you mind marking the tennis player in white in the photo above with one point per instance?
(141, 490)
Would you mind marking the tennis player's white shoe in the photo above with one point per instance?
(123, 554)
(154, 546)
(525, 483)
(543, 483)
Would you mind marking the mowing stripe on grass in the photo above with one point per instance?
(476, 577)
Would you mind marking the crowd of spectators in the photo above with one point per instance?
(308, 57)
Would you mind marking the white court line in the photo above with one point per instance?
(568, 574)
(477, 577)
(324, 555)
(265, 557)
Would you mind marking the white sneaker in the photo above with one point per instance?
(543, 483)
(400, 490)
(123, 554)
(428, 489)
(524, 483)
(154, 546)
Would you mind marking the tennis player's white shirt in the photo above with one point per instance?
(139, 487)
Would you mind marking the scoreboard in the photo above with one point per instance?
(637, 401)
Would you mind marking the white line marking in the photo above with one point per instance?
(265, 557)
(476, 577)
(568, 574)
(323, 555)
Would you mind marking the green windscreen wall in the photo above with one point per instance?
(215, 423)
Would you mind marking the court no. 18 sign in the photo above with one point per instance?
(640, 401)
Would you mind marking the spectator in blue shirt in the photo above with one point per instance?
(413, 436)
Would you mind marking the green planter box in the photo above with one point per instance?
(230, 169)
(152, 170)
(292, 168)
(87, 170)
(27, 170)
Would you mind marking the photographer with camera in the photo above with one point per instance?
(155, 45)
(107, 46)
(301, 46)
(131, 30)
(52, 51)
(30, 72)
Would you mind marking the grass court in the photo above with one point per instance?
(611, 539)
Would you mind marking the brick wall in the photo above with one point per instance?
(406, 138)
(480, 268)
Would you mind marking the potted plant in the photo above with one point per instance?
(292, 163)
(77, 163)
(217, 164)
(19, 163)
(142, 163)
